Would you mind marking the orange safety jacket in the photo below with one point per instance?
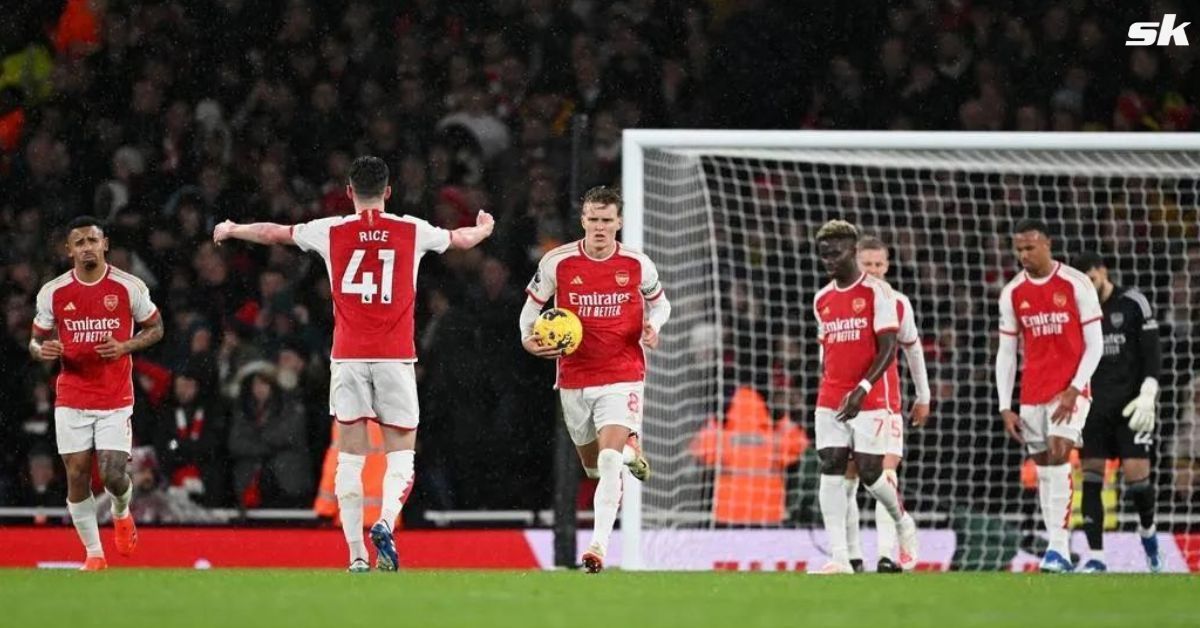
(750, 453)
(326, 504)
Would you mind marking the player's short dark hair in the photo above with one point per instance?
(1025, 225)
(604, 196)
(1088, 260)
(368, 176)
(81, 222)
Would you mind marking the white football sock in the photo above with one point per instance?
(608, 496)
(397, 482)
(120, 503)
(1054, 491)
(833, 510)
(853, 541)
(347, 484)
(83, 515)
(885, 525)
(888, 495)
(1097, 555)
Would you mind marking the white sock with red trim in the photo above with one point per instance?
(1055, 489)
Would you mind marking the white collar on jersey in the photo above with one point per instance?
(583, 251)
(107, 269)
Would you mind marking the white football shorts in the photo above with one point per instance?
(870, 432)
(1036, 425)
(586, 410)
(385, 392)
(82, 430)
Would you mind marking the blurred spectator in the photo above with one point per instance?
(268, 444)
(190, 438)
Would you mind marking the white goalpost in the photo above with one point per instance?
(729, 217)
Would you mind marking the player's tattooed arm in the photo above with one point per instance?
(150, 333)
(42, 346)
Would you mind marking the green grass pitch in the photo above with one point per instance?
(131, 598)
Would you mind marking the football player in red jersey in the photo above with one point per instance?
(616, 294)
(1055, 311)
(857, 320)
(372, 258)
(85, 320)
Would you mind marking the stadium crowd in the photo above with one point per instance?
(164, 117)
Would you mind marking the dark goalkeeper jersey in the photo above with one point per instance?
(1131, 347)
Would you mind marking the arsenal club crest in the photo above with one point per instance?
(622, 278)
(1118, 319)
(1060, 299)
(858, 305)
(110, 302)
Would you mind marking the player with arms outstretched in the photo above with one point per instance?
(1053, 309)
(372, 258)
(1121, 423)
(873, 260)
(857, 321)
(616, 294)
(85, 319)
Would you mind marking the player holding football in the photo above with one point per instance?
(1054, 310)
(372, 259)
(857, 322)
(616, 294)
(85, 319)
(1121, 424)
(873, 260)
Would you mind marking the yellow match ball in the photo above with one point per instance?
(559, 328)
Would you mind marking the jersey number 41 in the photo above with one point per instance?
(367, 288)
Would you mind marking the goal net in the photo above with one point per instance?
(729, 218)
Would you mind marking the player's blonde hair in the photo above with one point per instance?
(837, 229)
(871, 243)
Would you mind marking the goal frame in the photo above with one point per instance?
(635, 142)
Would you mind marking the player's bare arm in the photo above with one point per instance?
(468, 237)
(257, 232)
(43, 346)
(885, 352)
(150, 333)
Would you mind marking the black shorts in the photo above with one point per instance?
(1106, 434)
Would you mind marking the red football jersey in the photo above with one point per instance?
(609, 296)
(84, 315)
(1049, 314)
(849, 320)
(372, 259)
(906, 336)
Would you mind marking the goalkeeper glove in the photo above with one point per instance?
(1141, 410)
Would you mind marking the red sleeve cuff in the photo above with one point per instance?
(38, 328)
(153, 315)
(909, 343)
(532, 296)
(656, 296)
(1090, 321)
(1008, 333)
